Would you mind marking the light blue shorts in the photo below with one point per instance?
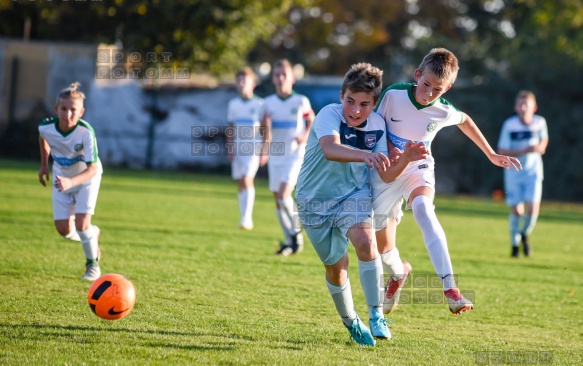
(523, 191)
(327, 222)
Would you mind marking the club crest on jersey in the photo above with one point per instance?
(294, 110)
(78, 147)
(432, 126)
(370, 140)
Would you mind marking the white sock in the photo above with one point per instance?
(371, 279)
(246, 201)
(72, 236)
(242, 195)
(514, 221)
(287, 205)
(434, 238)
(529, 223)
(285, 224)
(89, 243)
(342, 297)
(392, 264)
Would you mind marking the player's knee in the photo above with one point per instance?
(422, 206)
(63, 228)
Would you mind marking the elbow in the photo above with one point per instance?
(327, 153)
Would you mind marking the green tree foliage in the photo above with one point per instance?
(211, 35)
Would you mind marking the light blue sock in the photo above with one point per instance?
(371, 279)
(529, 223)
(342, 297)
(514, 221)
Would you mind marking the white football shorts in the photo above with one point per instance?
(284, 173)
(244, 167)
(80, 199)
(388, 197)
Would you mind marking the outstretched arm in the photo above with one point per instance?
(335, 151)
(470, 129)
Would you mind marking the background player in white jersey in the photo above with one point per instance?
(334, 198)
(525, 136)
(244, 116)
(290, 117)
(417, 112)
(76, 173)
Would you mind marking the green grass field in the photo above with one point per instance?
(209, 294)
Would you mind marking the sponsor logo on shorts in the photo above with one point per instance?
(423, 166)
(396, 120)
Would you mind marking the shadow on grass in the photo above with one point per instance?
(228, 341)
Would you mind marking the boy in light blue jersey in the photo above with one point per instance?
(334, 198)
(76, 174)
(526, 137)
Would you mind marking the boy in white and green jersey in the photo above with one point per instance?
(416, 112)
(76, 174)
(245, 137)
(289, 116)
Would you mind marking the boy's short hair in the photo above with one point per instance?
(283, 63)
(246, 71)
(363, 77)
(525, 94)
(71, 92)
(442, 63)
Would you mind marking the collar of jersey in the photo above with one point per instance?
(412, 98)
(65, 134)
(286, 98)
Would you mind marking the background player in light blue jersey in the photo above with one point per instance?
(334, 198)
(76, 173)
(526, 137)
(245, 114)
(290, 117)
(416, 112)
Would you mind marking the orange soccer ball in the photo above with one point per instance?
(111, 296)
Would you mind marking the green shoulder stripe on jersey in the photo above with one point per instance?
(446, 102)
(88, 127)
(49, 120)
(398, 86)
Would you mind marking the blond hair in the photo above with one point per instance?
(71, 92)
(442, 63)
(525, 94)
(363, 77)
